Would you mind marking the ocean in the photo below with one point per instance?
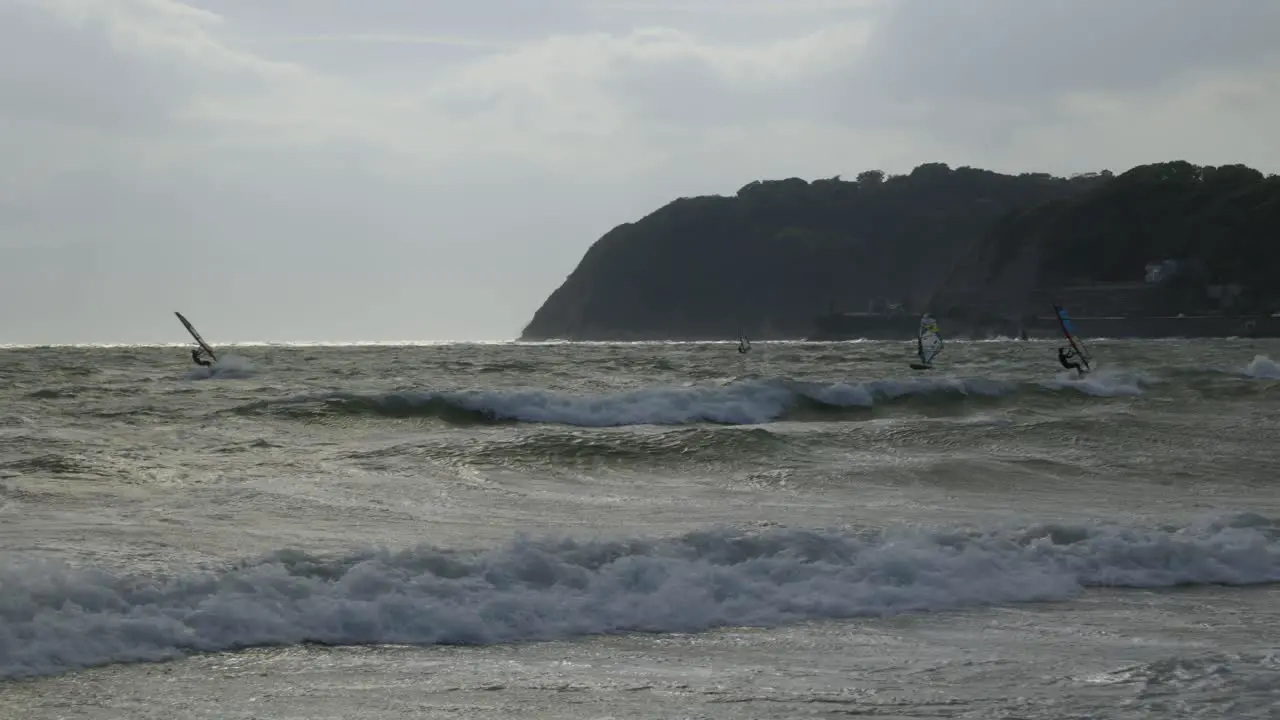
(640, 531)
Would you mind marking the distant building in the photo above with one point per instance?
(1226, 295)
(1113, 299)
(1162, 270)
(884, 306)
(1155, 272)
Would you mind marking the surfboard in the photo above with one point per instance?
(199, 340)
(928, 343)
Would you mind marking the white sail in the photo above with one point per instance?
(930, 339)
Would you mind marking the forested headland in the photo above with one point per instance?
(962, 241)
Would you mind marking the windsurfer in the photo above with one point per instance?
(927, 353)
(1065, 357)
(195, 357)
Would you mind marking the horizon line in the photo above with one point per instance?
(249, 343)
(385, 343)
(433, 343)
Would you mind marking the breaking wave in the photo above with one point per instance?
(227, 367)
(744, 402)
(55, 618)
(1263, 368)
(570, 446)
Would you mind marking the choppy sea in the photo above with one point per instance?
(640, 531)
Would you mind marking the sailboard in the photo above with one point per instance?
(928, 343)
(744, 345)
(199, 340)
(1069, 331)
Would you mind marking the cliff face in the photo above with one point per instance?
(771, 258)
(971, 244)
(1222, 222)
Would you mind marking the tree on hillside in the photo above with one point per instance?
(1226, 219)
(779, 252)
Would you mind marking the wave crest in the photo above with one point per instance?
(227, 367)
(55, 618)
(742, 402)
(1263, 368)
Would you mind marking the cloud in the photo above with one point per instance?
(357, 168)
(390, 39)
(94, 85)
(1208, 117)
(1012, 51)
(1055, 84)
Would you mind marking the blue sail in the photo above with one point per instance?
(1066, 321)
(1069, 330)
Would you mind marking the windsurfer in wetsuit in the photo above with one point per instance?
(1065, 357)
(195, 357)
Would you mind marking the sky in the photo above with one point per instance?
(309, 170)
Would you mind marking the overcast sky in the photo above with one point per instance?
(432, 169)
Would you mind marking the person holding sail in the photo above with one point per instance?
(203, 348)
(1075, 357)
(1065, 357)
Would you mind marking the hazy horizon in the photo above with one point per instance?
(386, 170)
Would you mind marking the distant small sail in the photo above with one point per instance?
(744, 345)
(929, 340)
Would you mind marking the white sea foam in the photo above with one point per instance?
(227, 367)
(55, 618)
(1263, 368)
(742, 402)
(1106, 382)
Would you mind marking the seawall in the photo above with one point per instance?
(1202, 326)
(867, 326)
(864, 326)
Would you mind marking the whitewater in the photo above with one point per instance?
(643, 530)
